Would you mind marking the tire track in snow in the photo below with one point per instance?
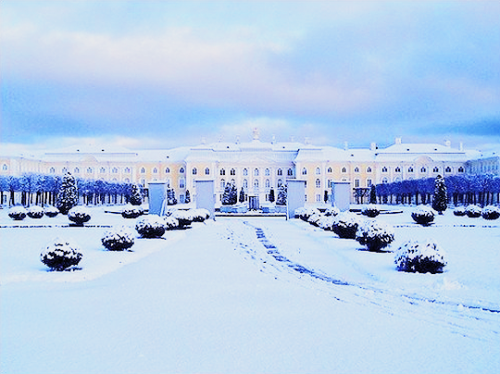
(451, 314)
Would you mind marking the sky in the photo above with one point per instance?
(158, 74)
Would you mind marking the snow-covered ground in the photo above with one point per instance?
(249, 295)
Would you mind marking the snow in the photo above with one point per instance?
(248, 295)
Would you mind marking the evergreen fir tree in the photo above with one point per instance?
(67, 197)
(440, 201)
(373, 194)
(187, 200)
(271, 195)
(171, 200)
(135, 195)
(325, 196)
(242, 196)
(282, 194)
(230, 195)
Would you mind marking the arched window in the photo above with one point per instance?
(329, 183)
(290, 172)
(423, 169)
(222, 172)
(279, 172)
(143, 170)
(194, 171)
(255, 173)
(385, 180)
(256, 183)
(384, 169)
(344, 170)
(268, 183)
(435, 170)
(182, 183)
(410, 169)
(52, 171)
(267, 172)
(207, 171)
(356, 183)
(233, 182)
(368, 169)
(461, 169)
(448, 169)
(222, 184)
(318, 183)
(89, 170)
(318, 171)
(232, 172)
(245, 183)
(5, 167)
(356, 169)
(114, 170)
(102, 171)
(181, 170)
(127, 170)
(155, 170)
(167, 171)
(245, 172)
(127, 180)
(280, 182)
(329, 170)
(304, 171)
(64, 170)
(398, 170)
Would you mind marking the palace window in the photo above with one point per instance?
(256, 183)
(344, 170)
(398, 170)
(222, 184)
(77, 171)
(155, 170)
(102, 170)
(52, 171)
(435, 170)
(114, 170)
(268, 183)
(127, 170)
(256, 172)
(318, 198)
(448, 169)
(304, 171)
(232, 172)
(368, 169)
(89, 170)
(368, 183)
(207, 171)
(356, 169)
(167, 171)
(318, 171)
(181, 170)
(279, 172)
(329, 170)
(385, 180)
(280, 182)
(64, 170)
(267, 172)
(410, 169)
(290, 172)
(5, 167)
(222, 172)
(194, 171)
(423, 169)
(461, 169)
(384, 169)
(356, 183)
(245, 172)
(143, 170)
(318, 183)
(182, 183)
(245, 183)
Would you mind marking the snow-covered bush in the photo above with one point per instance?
(17, 213)
(79, 215)
(200, 215)
(185, 217)
(35, 212)
(332, 212)
(460, 211)
(315, 218)
(490, 212)
(51, 211)
(135, 195)
(151, 226)
(304, 213)
(61, 254)
(171, 223)
(67, 197)
(375, 235)
(370, 210)
(345, 225)
(131, 211)
(326, 222)
(118, 239)
(420, 257)
(423, 215)
(473, 211)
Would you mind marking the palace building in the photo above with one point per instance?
(257, 166)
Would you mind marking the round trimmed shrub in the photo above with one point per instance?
(184, 217)
(423, 215)
(151, 226)
(370, 210)
(332, 212)
(35, 212)
(51, 211)
(304, 213)
(460, 211)
(473, 211)
(171, 223)
(132, 211)
(346, 225)
(315, 218)
(490, 212)
(60, 255)
(17, 213)
(414, 257)
(375, 235)
(326, 222)
(118, 240)
(79, 215)
(200, 215)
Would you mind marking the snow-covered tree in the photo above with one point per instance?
(68, 194)
(440, 201)
(187, 200)
(230, 195)
(373, 194)
(171, 200)
(271, 195)
(242, 196)
(282, 194)
(135, 195)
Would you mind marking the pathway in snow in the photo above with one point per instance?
(475, 321)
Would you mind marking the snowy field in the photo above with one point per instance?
(249, 295)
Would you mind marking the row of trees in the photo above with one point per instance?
(41, 189)
(231, 196)
(481, 190)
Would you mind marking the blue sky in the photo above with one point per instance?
(159, 74)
